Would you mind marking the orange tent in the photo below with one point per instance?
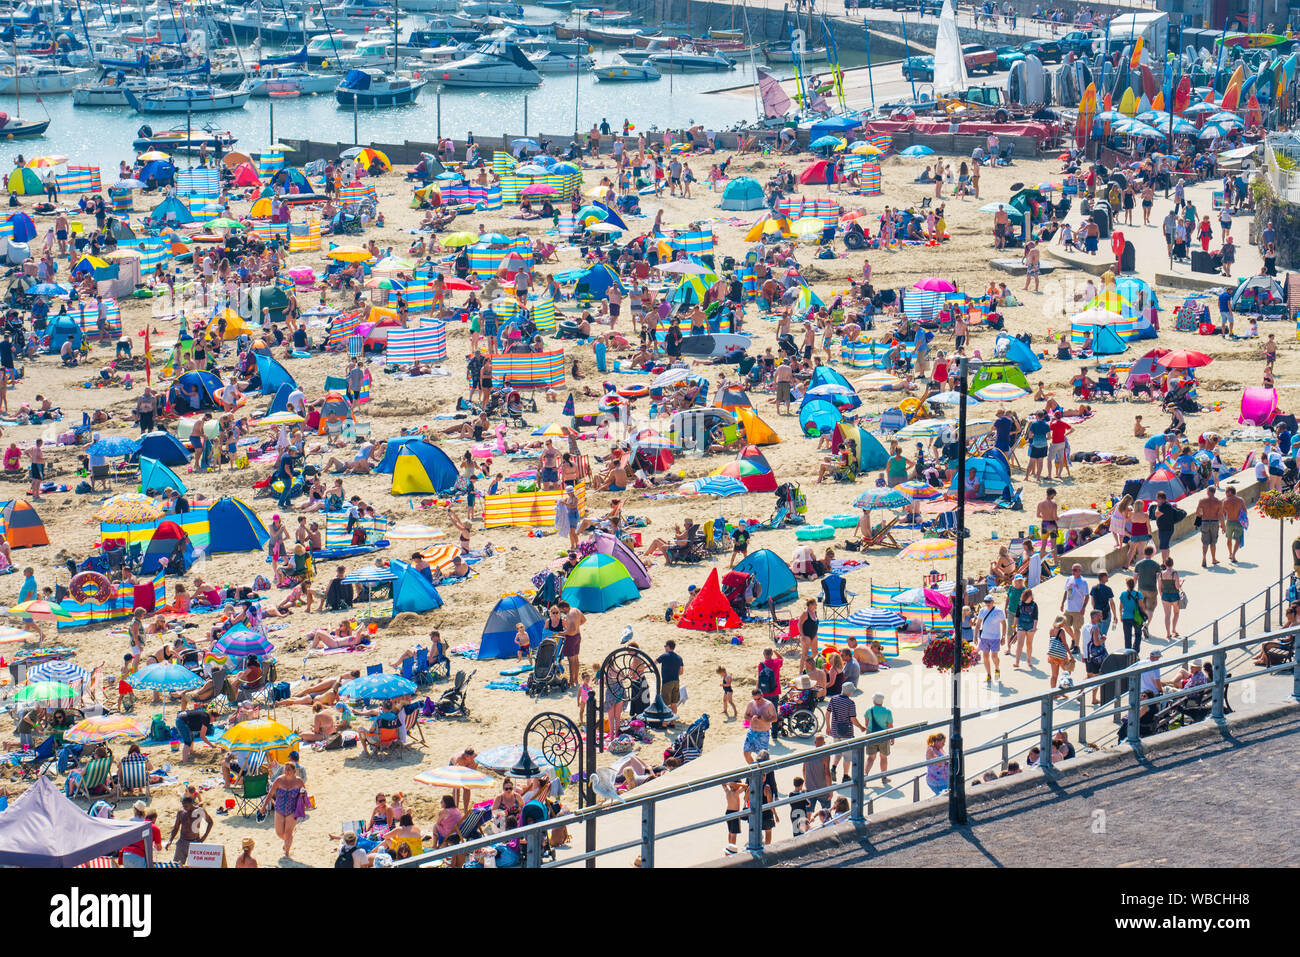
(23, 528)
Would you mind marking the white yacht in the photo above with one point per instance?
(497, 63)
(291, 81)
(690, 60)
(32, 76)
(548, 61)
(620, 69)
(112, 92)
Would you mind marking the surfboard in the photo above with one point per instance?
(1135, 60)
(1183, 94)
(1035, 80)
(1144, 104)
(1254, 116)
(1232, 92)
(1128, 103)
(1255, 40)
(1158, 104)
(1149, 87)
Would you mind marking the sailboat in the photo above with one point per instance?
(779, 51)
(13, 127)
(949, 64)
(372, 87)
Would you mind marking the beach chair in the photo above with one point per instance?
(781, 630)
(381, 737)
(882, 536)
(133, 776)
(374, 669)
(39, 759)
(837, 600)
(408, 669)
(93, 780)
(252, 791)
(717, 530)
(413, 728)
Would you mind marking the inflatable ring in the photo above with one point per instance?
(841, 521)
(610, 403)
(89, 588)
(813, 533)
(909, 405)
(634, 391)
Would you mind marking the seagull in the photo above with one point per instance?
(626, 636)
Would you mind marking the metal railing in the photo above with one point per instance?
(1125, 707)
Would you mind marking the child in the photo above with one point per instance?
(798, 809)
(728, 700)
(584, 692)
(733, 791)
(522, 643)
(1139, 430)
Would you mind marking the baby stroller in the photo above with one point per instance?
(548, 669)
(345, 224)
(797, 710)
(688, 745)
(452, 703)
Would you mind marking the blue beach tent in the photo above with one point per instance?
(498, 639)
(234, 527)
(412, 591)
(773, 575)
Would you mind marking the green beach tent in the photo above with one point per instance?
(599, 583)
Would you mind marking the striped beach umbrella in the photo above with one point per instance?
(503, 757)
(45, 692)
(239, 643)
(129, 508)
(64, 671)
(106, 727)
(918, 491)
(923, 429)
(413, 533)
(40, 610)
(454, 776)
(723, 485)
(878, 381)
(553, 430)
(377, 687)
(370, 575)
(441, 557)
(881, 497)
(1078, 518)
(1001, 392)
(878, 618)
(164, 677)
(930, 549)
(258, 735)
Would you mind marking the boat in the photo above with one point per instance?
(372, 87)
(31, 76)
(113, 92)
(781, 53)
(584, 30)
(430, 6)
(282, 80)
(555, 4)
(619, 69)
(691, 60)
(491, 8)
(497, 63)
(548, 61)
(642, 53)
(181, 140)
(182, 98)
(13, 127)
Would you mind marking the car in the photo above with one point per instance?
(1049, 51)
(979, 57)
(919, 68)
(1079, 42)
(1008, 56)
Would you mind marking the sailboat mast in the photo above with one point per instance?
(397, 33)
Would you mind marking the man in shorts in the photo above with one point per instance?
(1234, 531)
(761, 714)
(1038, 433)
(573, 622)
(1210, 514)
(1056, 453)
(1073, 602)
(879, 718)
(784, 379)
(1147, 573)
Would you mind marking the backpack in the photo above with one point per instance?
(766, 680)
(344, 858)
(158, 730)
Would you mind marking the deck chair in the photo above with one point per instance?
(721, 540)
(133, 776)
(92, 778)
(710, 542)
(925, 202)
(374, 669)
(252, 791)
(381, 737)
(361, 430)
(413, 728)
(882, 536)
(427, 671)
(38, 760)
(837, 600)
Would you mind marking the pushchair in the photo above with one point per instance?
(345, 224)
(452, 704)
(688, 745)
(548, 669)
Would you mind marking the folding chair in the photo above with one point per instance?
(925, 202)
(374, 669)
(253, 790)
(93, 777)
(837, 600)
(408, 669)
(133, 775)
(426, 670)
(413, 728)
(38, 761)
(882, 535)
(781, 630)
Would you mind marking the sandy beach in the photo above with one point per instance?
(344, 782)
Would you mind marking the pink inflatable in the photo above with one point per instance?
(1258, 406)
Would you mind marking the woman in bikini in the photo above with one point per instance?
(382, 817)
(807, 631)
(464, 528)
(283, 796)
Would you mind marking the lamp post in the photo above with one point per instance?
(562, 745)
(577, 74)
(270, 105)
(956, 759)
(438, 92)
(626, 668)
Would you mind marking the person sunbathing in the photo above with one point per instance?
(680, 538)
(329, 696)
(342, 637)
(323, 724)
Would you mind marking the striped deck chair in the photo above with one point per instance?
(133, 775)
(92, 778)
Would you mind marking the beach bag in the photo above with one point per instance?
(158, 730)
(766, 681)
(334, 742)
(1182, 598)
(279, 691)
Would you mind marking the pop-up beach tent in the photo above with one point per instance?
(155, 477)
(169, 541)
(163, 447)
(613, 546)
(743, 193)
(421, 468)
(273, 375)
(498, 638)
(42, 828)
(412, 591)
(599, 583)
(21, 526)
(234, 527)
(774, 577)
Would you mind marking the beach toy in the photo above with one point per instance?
(1258, 406)
(304, 276)
(813, 533)
(841, 521)
(634, 391)
(89, 587)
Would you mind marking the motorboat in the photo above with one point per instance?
(548, 61)
(690, 60)
(371, 87)
(430, 6)
(112, 91)
(586, 30)
(619, 69)
(35, 77)
(285, 80)
(498, 63)
(181, 140)
(491, 8)
(329, 48)
(184, 98)
(781, 53)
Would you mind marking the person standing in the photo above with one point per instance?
(573, 622)
(1171, 588)
(733, 793)
(1103, 601)
(1209, 516)
(187, 825)
(1131, 604)
(817, 775)
(671, 667)
(1234, 508)
(761, 715)
(879, 718)
(1073, 601)
(992, 632)
(841, 719)
(36, 456)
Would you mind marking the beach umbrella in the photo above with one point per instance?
(452, 240)
(495, 239)
(348, 254)
(878, 381)
(869, 149)
(530, 169)
(1013, 214)
(553, 430)
(241, 642)
(1078, 518)
(1176, 127)
(40, 610)
(281, 418)
(113, 446)
(456, 284)
(369, 155)
(540, 189)
(929, 549)
(917, 151)
(1196, 109)
(881, 497)
(503, 757)
(1108, 116)
(47, 289)
(129, 508)
(750, 473)
(45, 692)
(934, 284)
(825, 143)
(808, 227)
(454, 776)
(650, 439)
(392, 264)
(9, 635)
(1110, 301)
(377, 687)
(1226, 118)
(224, 222)
(1150, 116)
(918, 491)
(670, 378)
(721, 485)
(952, 398)
(832, 389)
(606, 228)
(1211, 130)
(1184, 359)
(164, 677)
(684, 267)
(47, 161)
(152, 155)
(441, 557)
(526, 143)
(64, 671)
(1001, 392)
(878, 618)
(101, 728)
(128, 183)
(412, 533)
(258, 735)
(1098, 317)
(923, 429)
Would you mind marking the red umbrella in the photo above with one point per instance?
(935, 284)
(1184, 359)
(459, 285)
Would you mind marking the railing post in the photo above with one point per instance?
(533, 850)
(1220, 692)
(1006, 751)
(1045, 736)
(916, 789)
(1295, 672)
(1268, 609)
(1134, 709)
(858, 789)
(1214, 633)
(1241, 629)
(755, 840)
(648, 834)
(1083, 717)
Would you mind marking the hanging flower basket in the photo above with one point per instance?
(938, 654)
(1279, 503)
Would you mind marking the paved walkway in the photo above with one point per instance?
(916, 694)
(1204, 803)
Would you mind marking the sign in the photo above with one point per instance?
(206, 855)
(1252, 19)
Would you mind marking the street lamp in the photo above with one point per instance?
(956, 759)
(627, 667)
(562, 745)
